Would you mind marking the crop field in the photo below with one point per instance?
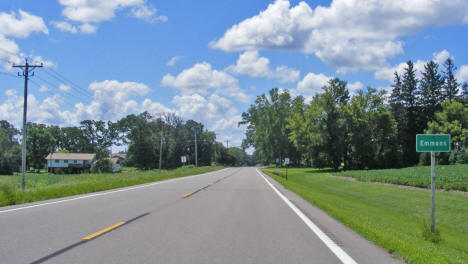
(394, 218)
(43, 186)
(448, 177)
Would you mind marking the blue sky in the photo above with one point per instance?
(207, 60)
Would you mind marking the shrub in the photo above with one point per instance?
(7, 193)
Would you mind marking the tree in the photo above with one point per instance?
(411, 118)
(135, 131)
(431, 91)
(10, 150)
(453, 120)
(451, 85)
(267, 125)
(335, 97)
(39, 145)
(101, 161)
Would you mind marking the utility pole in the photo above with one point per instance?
(26, 69)
(227, 144)
(160, 148)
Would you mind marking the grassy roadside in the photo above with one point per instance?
(448, 177)
(43, 186)
(393, 218)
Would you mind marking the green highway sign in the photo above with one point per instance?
(433, 143)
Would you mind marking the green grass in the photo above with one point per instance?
(43, 186)
(396, 219)
(448, 177)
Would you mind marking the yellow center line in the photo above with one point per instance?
(103, 231)
(187, 195)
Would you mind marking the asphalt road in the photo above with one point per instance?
(230, 216)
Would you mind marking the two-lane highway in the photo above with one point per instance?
(230, 216)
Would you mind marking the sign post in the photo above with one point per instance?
(433, 143)
(286, 162)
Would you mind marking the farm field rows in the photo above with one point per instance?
(448, 177)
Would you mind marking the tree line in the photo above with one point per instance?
(368, 130)
(151, 140)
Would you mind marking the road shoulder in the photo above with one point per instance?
(360, 249)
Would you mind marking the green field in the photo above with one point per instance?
(448, 177)
(43, 186)
(393, 218)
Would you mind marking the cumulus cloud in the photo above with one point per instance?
(17, 25)
(202, 79)
(251, 64)
(388, 73)
(462, 74)
(348, 35)
(64, 88)
(90, 13)
(313, 83)
(112, 100)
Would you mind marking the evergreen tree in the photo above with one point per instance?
(451, 86)
(410, 123)
(431, 91)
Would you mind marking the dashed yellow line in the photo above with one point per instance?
(187, 195)
(105, 230)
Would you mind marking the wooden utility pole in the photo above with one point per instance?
(160, 147)
(26, 70)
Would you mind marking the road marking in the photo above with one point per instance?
(337, 250)
(211, 184)
(187, 195)
(105, 230)
(109, 192)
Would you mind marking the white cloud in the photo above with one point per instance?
(249, 63)
(388, 73)
(19, 25)
(90, 13)
(88, 28)
(441, 57)
(22, 26)
(43, 89)
(174, 60)
(227, 124)
(65, 27)
(64, 88)
(202, 79)
(312, 83)
(348, 35)
(462, 74)
(354, 87)
(147, 13)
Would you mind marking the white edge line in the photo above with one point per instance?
(337, 250)
(109, 192)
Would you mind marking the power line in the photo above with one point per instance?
(62, 78)
(84, 97)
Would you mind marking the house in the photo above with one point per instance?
(121, 157)
(69, 162)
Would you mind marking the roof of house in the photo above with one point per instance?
(114, 160)
(119, 155)
(70, 156)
